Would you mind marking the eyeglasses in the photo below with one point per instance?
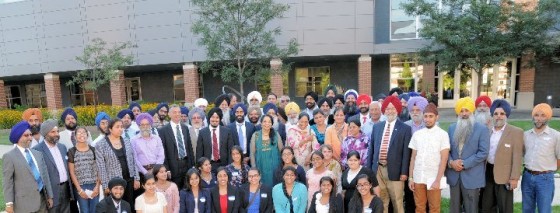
(195, 118)
(362, 185)
(254, 176)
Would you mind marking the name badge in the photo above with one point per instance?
(235, 173)
(203, 199)
(231, 198)
(367, 210)
(294, 199)
(507, 145)
(264, 195)
(546, 138)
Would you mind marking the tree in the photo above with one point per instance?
(478, 34)
(101, 64)
(239, 39)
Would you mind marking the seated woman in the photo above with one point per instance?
(327, 199)
(237, 168)
(289, 196)
(194, 199)
(166, 187)
(150, 201)
(315, 174)
(289, 160)
(257, 197)
(205, 169)
(349, 177)
(364, 199)
(225, 197)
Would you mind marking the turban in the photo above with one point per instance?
(255, 108)
(431, 108)
(418, 101)
(101, 116)
(380, 96)
(313, 95)
(364, 97)
(32, 111)
(339, 97)
(116, 181)
(397, 90)
(200, 102)
(143, 116)
(545, 108)
(243, 107)
(484, 98)
(329, 101)
(134, 104)
(47, 126)
(254, 94)
(184, 110)
(500, 103)
(18, 130)
(404, 96)
(161, 105)
(413, 94)
(66, 112)
(216, 110)
(330, 87)
(198, 111)
(466, 102)
(124, 112)
(221, 98)
(351, 92)
(267, 107)
(395, 101)
(292, 106)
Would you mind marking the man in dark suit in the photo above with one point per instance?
(114, 202)
(242, 130)
(55, 158)
(389, 155)
(467, 158)
(26, 178)
(179, 157)
(215, 141)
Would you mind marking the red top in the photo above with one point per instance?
(223, 203)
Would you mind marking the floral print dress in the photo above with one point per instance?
(295, 139)
(355, 143)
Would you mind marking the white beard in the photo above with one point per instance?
(482, 117)
(463, 129)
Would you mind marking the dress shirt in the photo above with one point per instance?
(542, 150)
(117, 205)
(244, 132)
(362, 116)
(55, 152)
(147, 151)
(22, 150)
(494, 140)
(310, 111)
(414, 127)
(212, 139)
(174, 128)
(428, 144)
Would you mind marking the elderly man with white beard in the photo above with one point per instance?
(416, 106)
(467, 159)
(482, 113)
(148, 148)
(292, 111)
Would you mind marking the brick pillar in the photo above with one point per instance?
(526, 94)
(191, 81)
(3, 100)
(54, 93)
(276, 82)
(364, 74)
(428, 78)
(118, 89)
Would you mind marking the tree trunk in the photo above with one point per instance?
(479, 82)
(95, 101)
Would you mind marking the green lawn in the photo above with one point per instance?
(2, 203)
(4, 139)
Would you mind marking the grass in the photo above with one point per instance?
(516, 206)
(5, 138)
(2, 203)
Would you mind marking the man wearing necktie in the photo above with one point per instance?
(389, 155)
(242, 130)
(177, 146)
(363, 104)
(215, 141)
(25, 174)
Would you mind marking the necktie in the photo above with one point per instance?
(385, 145)
(34, 169)
(126, 136)
(73, 138)
(364, 120)
(240, 136)
(215, 148)
(118, 208)
(180, 143)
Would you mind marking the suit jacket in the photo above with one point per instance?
(107, 206)
(249, 130)
(187, 201)
(194, 137)
(474, 154)
(398, 155)
(235, 197)
(266, 198)
(53, 171)
(509, 153)
(204, 145)
(19, 184)
(172, 151)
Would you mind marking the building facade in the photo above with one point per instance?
(366, 45)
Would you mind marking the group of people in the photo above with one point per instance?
(342, 153)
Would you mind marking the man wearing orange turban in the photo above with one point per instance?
(34, 117)
(542, 159)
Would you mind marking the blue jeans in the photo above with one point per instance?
(539, 190)
(87, 205)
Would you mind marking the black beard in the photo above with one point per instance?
(35, 129)
(310, 105)
(71, 127)
(350, 110)
(161, 117)
(254, 120)
(364, 110)
(239, 119)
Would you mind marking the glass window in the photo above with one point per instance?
(133, 89)
(178, 88)
(406, 72)
(312, 79)
(9, 1)
(404, 26)
(13, 96)
(36, 95)
(80, 96)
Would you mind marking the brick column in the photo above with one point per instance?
(526, 95)
(54, 93)
(191, 81)
(428, 78)
(276, 82)
(364, 74)
(3, 100)
(118, 89)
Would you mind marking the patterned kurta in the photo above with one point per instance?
(295, 138)
(352, 143)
